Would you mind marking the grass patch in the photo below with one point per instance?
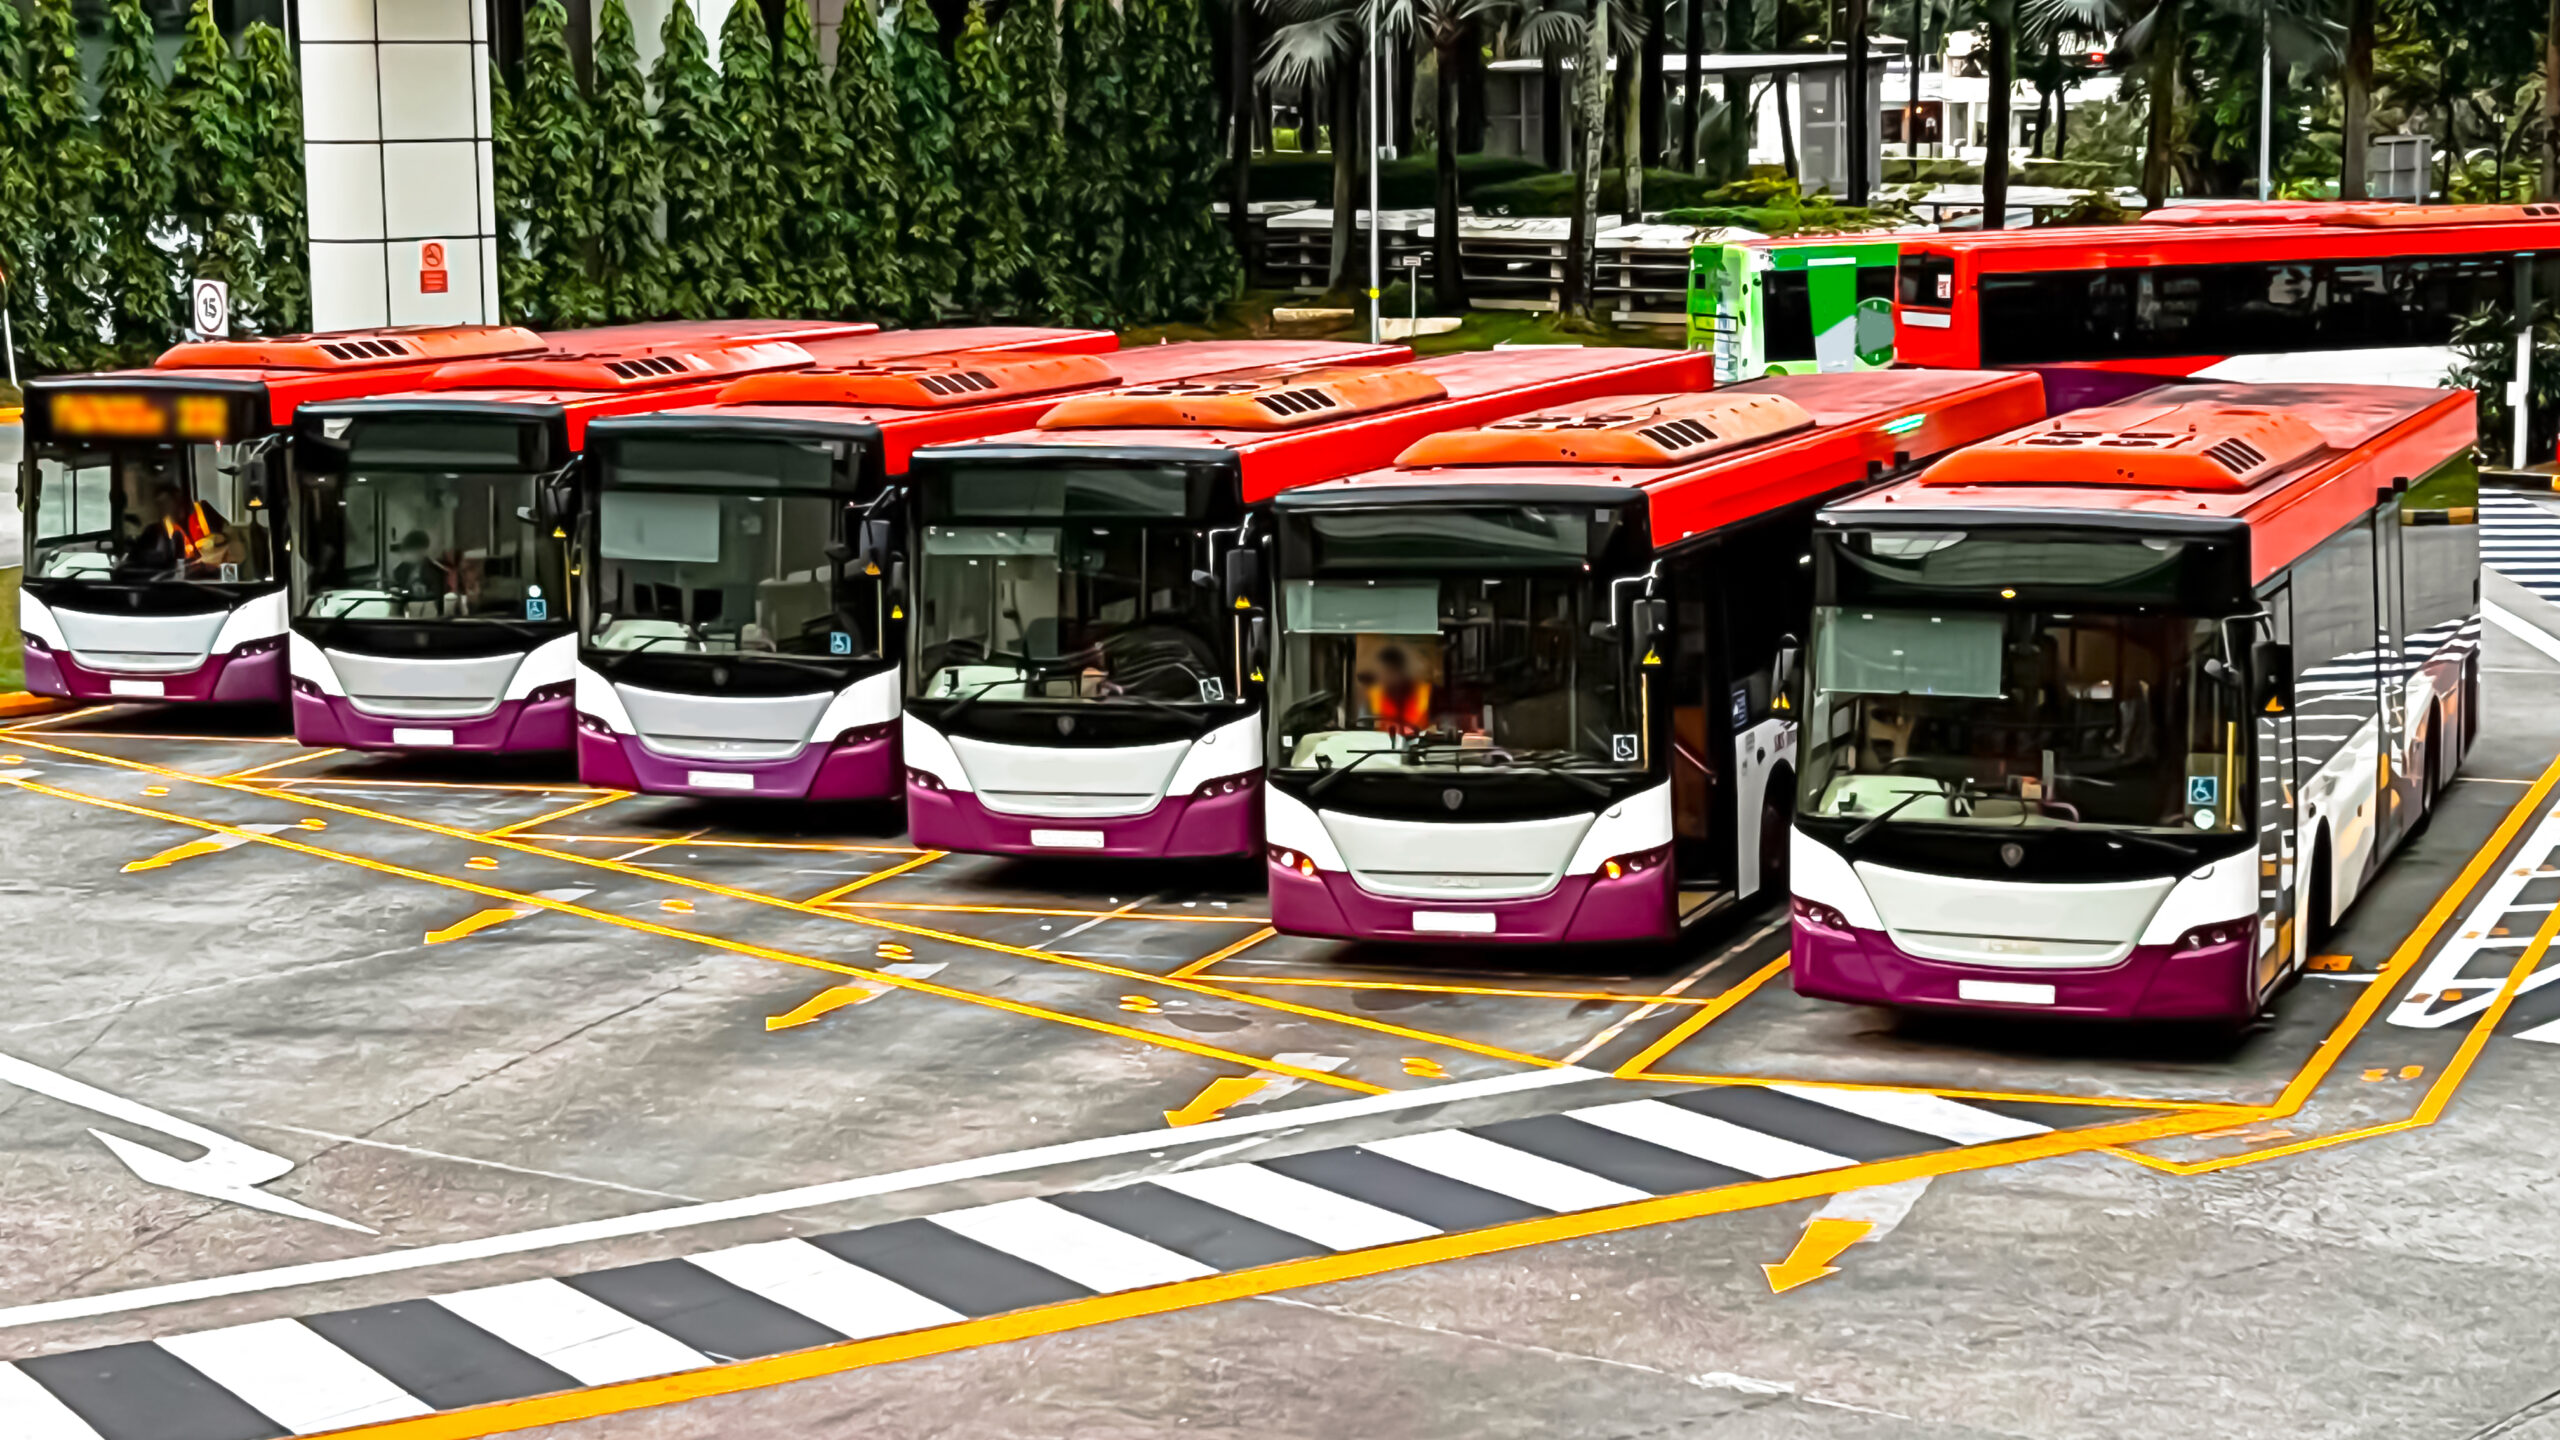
(1250, 318)
(13, 658)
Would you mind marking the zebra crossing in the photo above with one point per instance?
(302, 1376)
(2520, 539)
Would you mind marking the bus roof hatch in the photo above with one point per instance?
(2193, 446)
(611, 370)
(1263, 400)
(1647, 430)
(929, 383)
(354, 349)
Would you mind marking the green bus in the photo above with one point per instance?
(1793, 307)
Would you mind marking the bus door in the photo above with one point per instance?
(2277, 819)
(1762, 600)
(2395, 780)
(1701, 808)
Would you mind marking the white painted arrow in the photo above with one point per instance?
(227, 1170)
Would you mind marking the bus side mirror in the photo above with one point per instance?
(877, 536)
(1243, 577)
(556, 499)
(1257, 646)
(1648, 625)
(1788, 672)
(2272, 663)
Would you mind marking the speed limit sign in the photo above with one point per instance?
(209, 307)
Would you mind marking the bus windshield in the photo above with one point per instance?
(417, 531)
(140, 513)
(2026, 717)
(1090, 608)
(718, 574)
(1469, 668)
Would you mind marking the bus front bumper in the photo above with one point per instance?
(2154, 982)
(1179, 827)
(1636, 907)
(861, 767)
(538, 722)
(253, 674)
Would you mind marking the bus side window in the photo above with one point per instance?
(1786, 312)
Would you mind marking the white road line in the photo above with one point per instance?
(1708, 1138)
(844, 1297)
(1927, 1114)
(2548, 1032)
(593, 1343)
(776, 1202)
(1491, 1165)
(294, 1377)
(28, 1411)
(2520, 628)
(1090, 1253)
(1336, 1222)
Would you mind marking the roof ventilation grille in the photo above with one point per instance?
(1297, 402)
(1679, 434)
(2236, 455)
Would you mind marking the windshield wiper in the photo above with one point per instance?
(505, 622)
(2164, 846)
(1198, 720)
(1325, 781)
(1888, 812)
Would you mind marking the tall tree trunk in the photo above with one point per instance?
(2357, 133)
(1344, 92)
(1648, 80)
(1995, 154)
(1551, 120)
(1738, 38)
(1243, 115)
(1695, 41)
(1919, 54)
(1786, 128)
(1471, 88)
(1310, 103)
(2548, 186)
(2158, 158)
(1448, 286)
(1401, 61)
(1631, 153)
(1591, 101)
(1854, 119)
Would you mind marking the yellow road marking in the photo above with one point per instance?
(824, 1002)
(56, 719)
(1422, 1067)
(1224, 1091)
(1700, 1018)
(876, 876)
(1823, 1239)
(726, 844)
(948, 907)
(301, 782)
(476, 922)
(1227, 952)
(142, 735)
(564, 812)
(719, 942)
(256, 770)
(1180, 1295)
(1499, 992)
(176, 853)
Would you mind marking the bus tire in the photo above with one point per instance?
(2470, 710)
(2315, 905)
(1777, 830)
(2429, 786)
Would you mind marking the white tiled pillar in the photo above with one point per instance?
(395, 124)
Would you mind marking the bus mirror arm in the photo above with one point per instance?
(2272, 662)
(1257, 643)
(897, 575)
(1647, 622)
(1243, 577)
(877, 537)
(1790, 659)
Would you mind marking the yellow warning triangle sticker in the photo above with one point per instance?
(1257, 677)
(1243, 604)
(1650, 658)
(2274, 706)
(870, 569)
(897, 612)
(1779, 702)
(559, 534)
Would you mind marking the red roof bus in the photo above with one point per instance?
(2113, 716)
(738, 634)
(429, 594)
(2323, 291)
(1080, 677)
(1527, 687)
(153, 570)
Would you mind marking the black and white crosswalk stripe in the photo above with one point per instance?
(475, 1347)
(2520, 539)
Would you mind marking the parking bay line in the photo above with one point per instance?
(753, 897)
(715, 941)
(749, 1207)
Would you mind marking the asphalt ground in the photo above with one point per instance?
(405, 1036)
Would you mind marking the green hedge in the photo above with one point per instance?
(1406, 184)
(1553, 194)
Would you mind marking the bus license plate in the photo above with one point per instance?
(719, 780)
(402, 736)
(1068, 839)
(1453, 922)
(139, 689)
(2004, 992)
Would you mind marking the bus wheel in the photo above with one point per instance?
(2315, 908)
(2425, 765)
(2470, 708)
(1776, 835)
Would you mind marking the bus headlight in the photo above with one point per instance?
(592, 724)
(1635, 863)
(1292, 860)
(2212, 937)
(922, 781)
(1226, 785)
(1820, 916)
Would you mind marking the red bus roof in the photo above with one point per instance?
(273, 377)
(2351, 232)
(1773, 442)
(2335, 450)
(842, 397)
(1475, 387)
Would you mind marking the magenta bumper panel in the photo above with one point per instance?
(539, 721)
(254, 674)
(1581, 910)
(864, 768)
(1182, 827)
(2155, 982)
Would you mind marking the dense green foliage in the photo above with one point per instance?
(63, 254)
(1095, 191)
(751, 275)
(558, 207)
(628, 175)
(689, 149)
(20, 200)
(212, 196)
(928, 188)
(276, 188)
(138, 282)
(994, 248)
(815, 276)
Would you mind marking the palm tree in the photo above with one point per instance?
(1567, 29)
(1316, 45)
